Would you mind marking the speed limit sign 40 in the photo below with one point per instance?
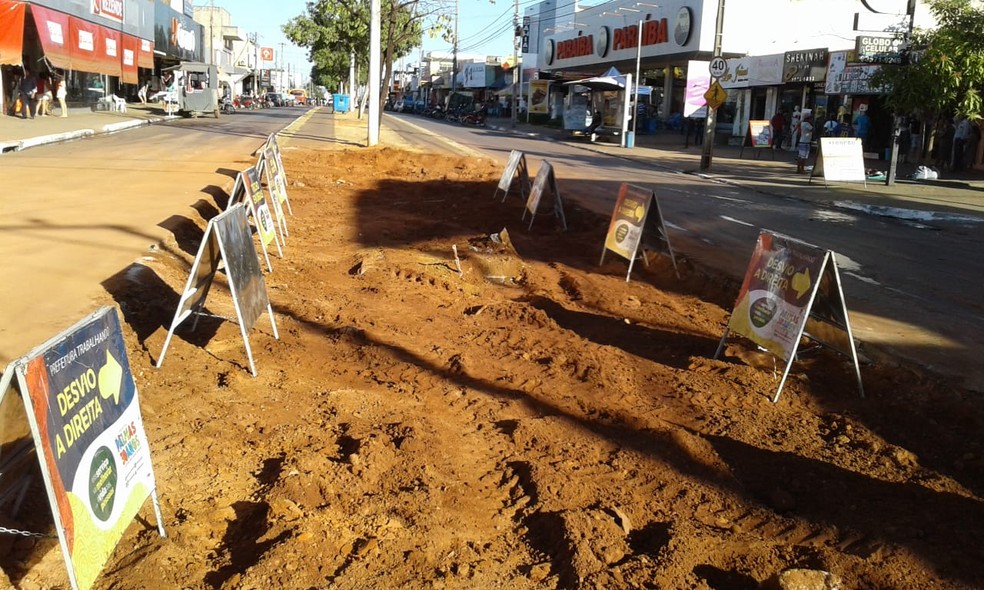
(718, 67)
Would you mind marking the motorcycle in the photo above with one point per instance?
(476, 118)
(228, 106)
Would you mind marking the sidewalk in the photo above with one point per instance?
(20, 134)
(954, 198)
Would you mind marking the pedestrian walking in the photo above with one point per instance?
(27, 91)
(61, 93)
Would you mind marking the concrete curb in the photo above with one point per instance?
(54, 138)
(123, 125)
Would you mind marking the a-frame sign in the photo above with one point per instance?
(758, 137)
(227, 240)
(277, 188)
(84, 413)
(637, 221)
(792, 290)
(840, 159)
(516, 166)
(545, 180)
(274, 145)
(259, 211)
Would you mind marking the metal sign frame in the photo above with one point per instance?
(515, 165)
(651, 220)
(19, 369)
(259, 211)
(216, 245)
(544, 179)
(832, 313)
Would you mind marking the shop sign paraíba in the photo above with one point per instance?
(596, 43)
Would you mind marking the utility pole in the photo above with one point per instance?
(708, 147)
(517, 71)
(906, 40)
(454, 58)
(375, 33)
(280, 69)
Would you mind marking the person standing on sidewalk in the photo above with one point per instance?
(142, 93)
(27, 90)
(61, 93)
(960, 137)
(862, 126)
(805, 142)
(43, 106)
(794, 128)
(778, 123)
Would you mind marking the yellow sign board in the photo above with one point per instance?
(716, 95)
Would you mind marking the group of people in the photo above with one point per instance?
(799, 128)
(36, 93)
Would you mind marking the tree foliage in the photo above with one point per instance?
(332, 30)
(946, 71)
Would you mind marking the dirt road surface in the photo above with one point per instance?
(517, 418)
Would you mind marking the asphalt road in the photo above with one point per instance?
(914, 289)
(76, 213)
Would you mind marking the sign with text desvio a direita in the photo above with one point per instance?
(90, 435)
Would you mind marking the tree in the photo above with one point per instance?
(945, 73)
(333, 30)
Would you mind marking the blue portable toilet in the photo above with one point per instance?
(341, 103)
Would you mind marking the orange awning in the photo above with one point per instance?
(128, 58)
(11, 31)
(53, 32)
(145, 57)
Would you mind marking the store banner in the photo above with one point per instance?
(53, 31)
(698, 82)
(539, 95)
(808, 65)
(11, 31)
(108, 9)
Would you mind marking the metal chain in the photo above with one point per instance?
(5, 531)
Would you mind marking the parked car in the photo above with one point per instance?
(288, 100)
(275, 99)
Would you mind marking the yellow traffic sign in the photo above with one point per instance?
(716, 95)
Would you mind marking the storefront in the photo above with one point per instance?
(99, 46)
(753, 84)
(620, 33)
(177, 37)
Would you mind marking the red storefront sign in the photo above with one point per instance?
(11, 31)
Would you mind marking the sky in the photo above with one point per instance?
(484, 27)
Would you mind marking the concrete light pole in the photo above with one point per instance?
(374, 77)
(708, 147)
(906, 40)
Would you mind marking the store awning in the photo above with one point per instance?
(112, 52)
(610, 80)
(145, 55)
(128, 59)
(53, 27)
(11, 31)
